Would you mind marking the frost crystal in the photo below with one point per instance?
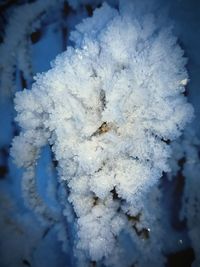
(107, 107)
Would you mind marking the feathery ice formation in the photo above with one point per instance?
(108, 108)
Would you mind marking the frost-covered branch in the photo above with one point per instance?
(15, 50)
(187, 150)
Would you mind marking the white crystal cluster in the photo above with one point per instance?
(107, 107)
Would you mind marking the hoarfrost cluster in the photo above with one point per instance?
(107, 108)
(112, 109)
